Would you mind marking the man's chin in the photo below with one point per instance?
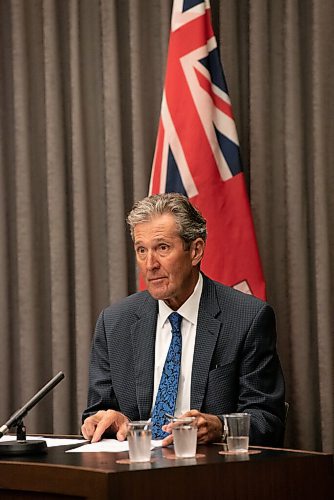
(157, 289)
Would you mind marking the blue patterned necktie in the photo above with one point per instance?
(169, 382)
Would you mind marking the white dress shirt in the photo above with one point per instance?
(189, 313)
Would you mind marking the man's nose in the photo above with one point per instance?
(151, 260)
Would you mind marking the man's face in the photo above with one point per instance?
(170, 271)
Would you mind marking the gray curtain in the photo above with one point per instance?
(80, 92)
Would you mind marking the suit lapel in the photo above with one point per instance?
(143, 334)
(208, 328)
(143, 344)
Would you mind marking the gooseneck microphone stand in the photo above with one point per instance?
(21, 446)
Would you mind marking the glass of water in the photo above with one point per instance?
(237, 428)
(139, 435)
(184, 436)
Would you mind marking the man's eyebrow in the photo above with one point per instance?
(155, 240)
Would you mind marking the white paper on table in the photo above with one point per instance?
(50, 442)
(109, 445)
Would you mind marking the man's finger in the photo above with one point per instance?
(88, 428)
(87, 432)
(83, 432)
(101, 427)
(122, 432)
(191, 413)
(167, 440)
(167, 428)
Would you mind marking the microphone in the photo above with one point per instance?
(21, 445)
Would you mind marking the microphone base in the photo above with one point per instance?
(20, 447)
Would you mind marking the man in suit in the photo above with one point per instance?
(229, 361)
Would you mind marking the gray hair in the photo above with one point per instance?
(190, 222)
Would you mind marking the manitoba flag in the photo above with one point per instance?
(197, 149)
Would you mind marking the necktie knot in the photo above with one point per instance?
(175, 320)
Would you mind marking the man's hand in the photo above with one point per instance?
(96, 425)
(209, 428)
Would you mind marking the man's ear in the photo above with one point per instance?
(197, 251)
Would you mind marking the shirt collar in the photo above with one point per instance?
(188, 310)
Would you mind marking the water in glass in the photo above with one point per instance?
(185, 441)
(237, 444)
(140, 445)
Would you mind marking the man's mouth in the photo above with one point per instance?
(156, 278)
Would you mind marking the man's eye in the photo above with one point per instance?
(163, 248)
(141, 251)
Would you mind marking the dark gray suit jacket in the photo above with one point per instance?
(235, 364)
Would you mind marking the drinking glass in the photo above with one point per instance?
(237, 427)
(139, 436)
(184, 436)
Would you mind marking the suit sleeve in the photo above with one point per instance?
(261, 383)
(101, 395)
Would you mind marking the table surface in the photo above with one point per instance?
(267, 474)
(161, 457)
